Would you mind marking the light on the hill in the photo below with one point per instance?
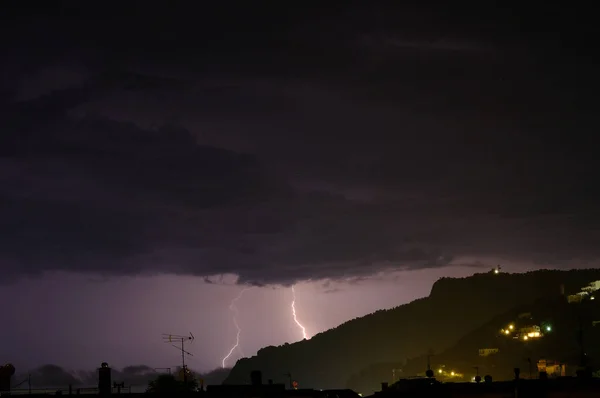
(440, 371)
(548, 328)
(496, 271)
(511, 327)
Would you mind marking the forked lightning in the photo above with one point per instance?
(304, 334)
(234, 309)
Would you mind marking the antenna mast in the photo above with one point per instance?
(172, 338)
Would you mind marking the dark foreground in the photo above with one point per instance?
(555, 388)
(570, 387)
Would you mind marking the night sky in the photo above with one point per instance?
(154, 161)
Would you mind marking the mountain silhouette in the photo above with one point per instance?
(454, 308)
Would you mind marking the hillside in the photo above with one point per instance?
(454, 308)
(559, 343)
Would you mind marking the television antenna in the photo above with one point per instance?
(176, 338)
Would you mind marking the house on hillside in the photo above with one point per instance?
(552, 368)
(576, 298)
(529, 332)
(592, 287)
(485, 352)
(585, 293)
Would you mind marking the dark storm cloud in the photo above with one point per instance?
(84, 193)
(371, 138)
(101, 196)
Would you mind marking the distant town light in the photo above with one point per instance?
(511, 327)
(451, 373)
(548, 328)
(507, 332)
(525, 338)
(496, 271)
(592, 298)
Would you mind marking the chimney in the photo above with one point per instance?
(104, 380)
(256, 378)
(384, 386)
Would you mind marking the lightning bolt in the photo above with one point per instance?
(304, 334)
(234, 309)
